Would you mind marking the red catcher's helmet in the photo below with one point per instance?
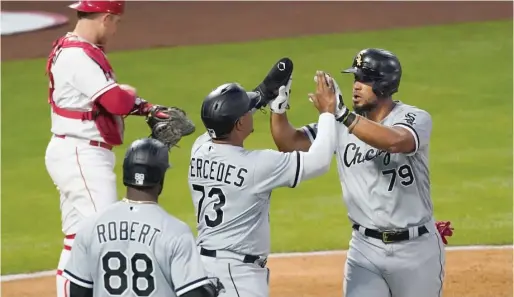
(114, 7)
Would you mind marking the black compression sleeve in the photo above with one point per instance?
(78, 291)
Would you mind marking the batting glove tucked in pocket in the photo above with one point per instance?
(281, 103)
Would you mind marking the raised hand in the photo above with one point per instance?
(341, 110)
(324, 98)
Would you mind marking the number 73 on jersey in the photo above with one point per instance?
(208, 194)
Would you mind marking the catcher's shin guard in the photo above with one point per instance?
(62, 284)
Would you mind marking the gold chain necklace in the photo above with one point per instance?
(138, 202)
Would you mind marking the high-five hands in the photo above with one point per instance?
(325, 97)
(341, 110)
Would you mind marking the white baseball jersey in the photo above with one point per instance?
(135, 250)
(231, 188)
(78, 82)
(384, 190)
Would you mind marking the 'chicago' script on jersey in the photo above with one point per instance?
(135, 231)
(353, 155)
(217, 171)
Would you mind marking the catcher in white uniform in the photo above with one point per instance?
(87, 111)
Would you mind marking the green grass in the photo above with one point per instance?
(461, 74)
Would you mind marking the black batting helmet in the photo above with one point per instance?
(145, 163)
(223, 107)
(379, 66)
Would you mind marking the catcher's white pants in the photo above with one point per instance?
(84, 176)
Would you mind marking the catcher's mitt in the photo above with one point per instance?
(169, 124)
(278, 76)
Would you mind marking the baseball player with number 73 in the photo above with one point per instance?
(397, 248)
(231, 186)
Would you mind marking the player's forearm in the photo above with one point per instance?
(317, 160)
(390, 139)
(117, 101)
(286, 137)
(282, 132)
(141, 107)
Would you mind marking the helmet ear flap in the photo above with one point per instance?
(377, 89)
(386, 86)
(380, 88)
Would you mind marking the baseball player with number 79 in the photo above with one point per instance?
(397, 248)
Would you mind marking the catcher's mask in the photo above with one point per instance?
(145, 163)
(377, 66)
(224, 106)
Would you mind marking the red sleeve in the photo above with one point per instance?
(117, 101)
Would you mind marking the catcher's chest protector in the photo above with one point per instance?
(107, 124)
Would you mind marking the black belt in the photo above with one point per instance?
(249, 259)
(390, 236)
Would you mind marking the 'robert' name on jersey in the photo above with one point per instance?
(123, 230)
(217, 171)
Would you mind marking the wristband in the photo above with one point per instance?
(343, 118)
(349, 119)
(350, 128)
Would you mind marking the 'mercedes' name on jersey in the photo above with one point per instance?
(125, 231)
(217, 171)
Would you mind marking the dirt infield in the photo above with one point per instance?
(486, 273)
(158, 24)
